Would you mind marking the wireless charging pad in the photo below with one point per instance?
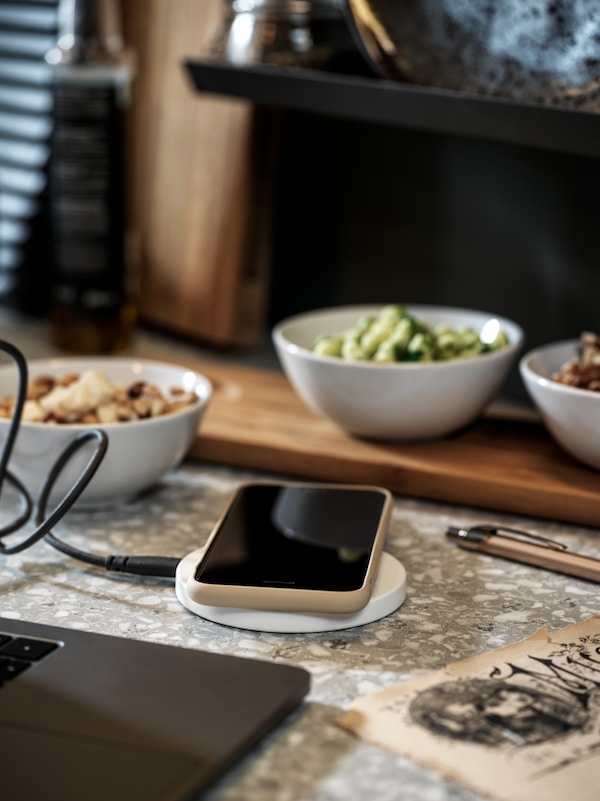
(388, 594)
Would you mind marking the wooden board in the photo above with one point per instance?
(194, 184)
(255, 420)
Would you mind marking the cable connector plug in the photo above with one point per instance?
(159, 566)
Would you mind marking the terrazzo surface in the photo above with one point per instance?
(458, 604)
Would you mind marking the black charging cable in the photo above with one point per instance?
(157, 566)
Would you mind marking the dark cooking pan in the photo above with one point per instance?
(543, 51)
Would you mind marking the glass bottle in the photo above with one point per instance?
(94, 292)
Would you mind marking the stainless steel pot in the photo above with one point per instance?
(301, 33)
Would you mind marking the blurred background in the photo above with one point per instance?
(242, 214)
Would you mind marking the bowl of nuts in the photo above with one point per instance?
(563, 381)
(397, 372)
(150, 411)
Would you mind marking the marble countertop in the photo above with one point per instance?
(458, 604)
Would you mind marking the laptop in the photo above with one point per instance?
(97, 717)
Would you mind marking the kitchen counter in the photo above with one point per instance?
(458, 604)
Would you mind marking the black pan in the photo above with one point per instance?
(543, 51)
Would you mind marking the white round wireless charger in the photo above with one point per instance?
(388, 594)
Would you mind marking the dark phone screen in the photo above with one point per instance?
(295, 537)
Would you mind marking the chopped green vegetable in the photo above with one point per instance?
(394, 335)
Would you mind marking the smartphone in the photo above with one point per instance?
(298, 547)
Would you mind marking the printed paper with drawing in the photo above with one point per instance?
(517, 723)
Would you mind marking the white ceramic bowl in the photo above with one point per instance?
(571, 415)
(396, 401)
(139, 451)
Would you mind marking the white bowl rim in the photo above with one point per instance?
(59, 362)
(546, 381)
(417, 309)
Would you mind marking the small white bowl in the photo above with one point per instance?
(571, 415)
(400, 400)
(139, 451)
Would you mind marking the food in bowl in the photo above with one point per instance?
(140, 451)
(571, 414)
(399, 400)
(396, 335)
(582, 371)
(92, 398)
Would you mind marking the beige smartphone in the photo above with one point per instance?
(297, 547)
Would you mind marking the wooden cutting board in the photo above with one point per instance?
(197, 184)
(255, 420)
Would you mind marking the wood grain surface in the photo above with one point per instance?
(192, 183)
(256, 420)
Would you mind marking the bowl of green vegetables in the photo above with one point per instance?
(397, 372)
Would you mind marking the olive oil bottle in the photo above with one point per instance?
(93, 303)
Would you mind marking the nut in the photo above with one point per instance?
(92, 398)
